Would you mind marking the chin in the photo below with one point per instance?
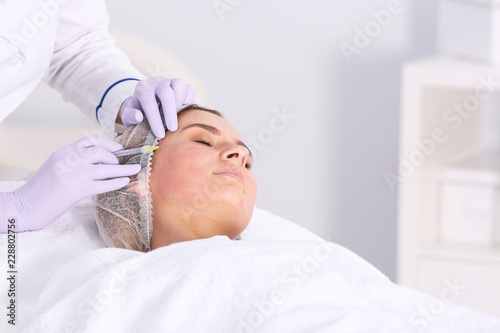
(233, 198)
(237, 227)
(233, 219)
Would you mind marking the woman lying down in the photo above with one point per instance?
(176, 263)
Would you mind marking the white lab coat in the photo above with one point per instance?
(65, 43)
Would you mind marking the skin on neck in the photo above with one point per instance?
(184, 228)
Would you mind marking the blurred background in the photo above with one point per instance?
(320, 113)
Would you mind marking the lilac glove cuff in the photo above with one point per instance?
(12, 206)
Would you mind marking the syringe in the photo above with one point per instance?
(135, 151)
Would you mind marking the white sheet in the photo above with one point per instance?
(220, 285)
(40, 254)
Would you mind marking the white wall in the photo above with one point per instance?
(325, 169)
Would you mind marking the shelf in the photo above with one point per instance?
(464, 253)
(475, 169)
(431, 87)
(448, 71)
(446, 102)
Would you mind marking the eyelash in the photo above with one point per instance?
(247, 165)
(204, 142)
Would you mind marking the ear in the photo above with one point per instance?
(139, 187)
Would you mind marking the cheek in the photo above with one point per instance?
(252, 194)
(179, 172)
(242, 201)
(252, 188)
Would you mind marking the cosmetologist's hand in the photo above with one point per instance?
(172, 94)
(84, 168)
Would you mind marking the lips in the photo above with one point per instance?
(231, 172)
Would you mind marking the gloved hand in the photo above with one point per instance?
(171, 93)
(69, 175)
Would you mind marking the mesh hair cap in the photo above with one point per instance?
(124, 217)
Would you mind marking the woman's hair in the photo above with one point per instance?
(124, 217)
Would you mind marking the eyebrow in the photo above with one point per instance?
(215, 131)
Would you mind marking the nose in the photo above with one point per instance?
(235, 154)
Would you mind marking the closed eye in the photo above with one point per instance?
(204, 142)
(247, 165)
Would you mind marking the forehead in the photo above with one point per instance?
(207, 118)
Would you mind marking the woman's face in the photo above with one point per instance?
(201, 181)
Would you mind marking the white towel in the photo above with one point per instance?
(267, 226)
(219, 285)
(40, 254)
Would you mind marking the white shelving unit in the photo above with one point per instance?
(430, 89)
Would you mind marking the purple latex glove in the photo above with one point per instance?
(172, 94)
(84, 168)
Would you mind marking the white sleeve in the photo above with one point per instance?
(86, 66)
